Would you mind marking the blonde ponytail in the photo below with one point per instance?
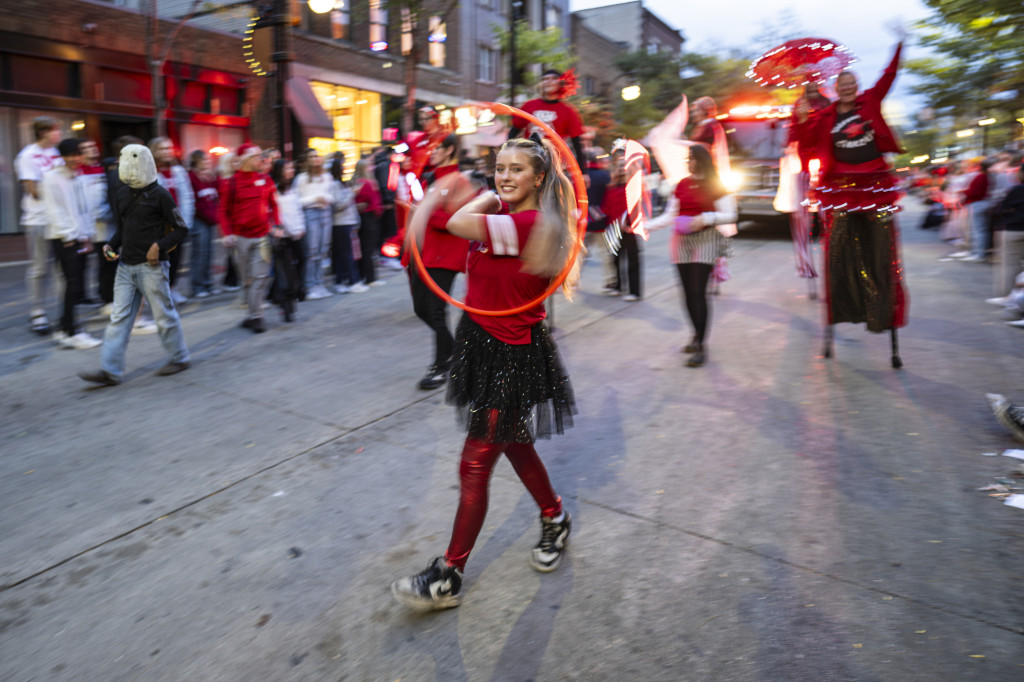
(551, 243)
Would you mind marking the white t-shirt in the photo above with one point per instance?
(30, 164)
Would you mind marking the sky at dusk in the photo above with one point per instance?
(861, 25)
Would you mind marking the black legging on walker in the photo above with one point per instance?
(695, 278)
(433, 310)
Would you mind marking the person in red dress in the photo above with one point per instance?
(507, 379)
(858, 195)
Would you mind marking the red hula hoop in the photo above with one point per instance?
(581, 223)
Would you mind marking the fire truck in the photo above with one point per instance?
(757, 140)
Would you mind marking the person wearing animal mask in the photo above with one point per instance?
(149, 226)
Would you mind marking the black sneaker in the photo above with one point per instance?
(100, 377)
(546, 556)
(435, 378)
(435, 588)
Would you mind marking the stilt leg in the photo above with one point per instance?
(827, 349)
(896, 361)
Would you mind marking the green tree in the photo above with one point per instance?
(546, 48)
(977, 68)
(721, 77)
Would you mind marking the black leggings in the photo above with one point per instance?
(695, 278)
(433, 310)
(369, 244)
(628, 256)
(71, 266)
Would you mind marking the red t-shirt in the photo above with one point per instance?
(692, 199)
(563, 118)
(441, 248)
(369, 194)
(495, 279)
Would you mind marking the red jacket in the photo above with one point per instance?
(815, 137)
(247, 205)
(977, 190)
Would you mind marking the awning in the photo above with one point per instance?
(307, 110)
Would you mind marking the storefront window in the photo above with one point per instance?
(357, 122)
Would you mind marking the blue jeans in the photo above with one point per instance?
(979, 227)
(201, 234)
(318, 236)
(131, 285)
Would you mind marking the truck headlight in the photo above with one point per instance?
(732, 180)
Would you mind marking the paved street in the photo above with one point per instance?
(773, 516)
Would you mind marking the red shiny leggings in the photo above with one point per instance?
(478, 460)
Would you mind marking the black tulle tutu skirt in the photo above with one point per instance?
(509, 393)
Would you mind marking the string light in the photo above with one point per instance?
(249, 52)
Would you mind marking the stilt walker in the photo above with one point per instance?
(858, 195)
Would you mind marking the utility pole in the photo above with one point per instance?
(282, 57)
(515, 12)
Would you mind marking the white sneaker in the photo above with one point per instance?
(973, 259)
(630, 298)
(178, 297)
(341, 289)
(393, 264)
(316, 293)
(358, 288)
(959, 254)
(202, 294)
(61, 339)
(377, 283)
(1016, 323)
(144, 326)
(83, 340)
(998, 300)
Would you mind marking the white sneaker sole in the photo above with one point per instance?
(415, 601)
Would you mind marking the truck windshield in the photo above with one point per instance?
(759, 139)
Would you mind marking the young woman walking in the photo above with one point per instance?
(507, 379)
(696, 244)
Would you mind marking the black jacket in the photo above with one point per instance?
(144, 217)
(1010, 212)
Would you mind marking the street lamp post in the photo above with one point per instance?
(282, 57)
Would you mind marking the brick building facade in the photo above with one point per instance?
(85, 63)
